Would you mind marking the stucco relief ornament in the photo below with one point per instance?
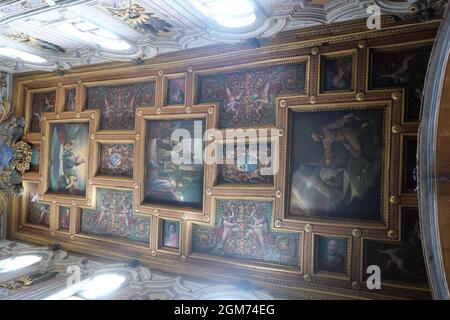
(35, 42)
(15, 154)
(137, 17)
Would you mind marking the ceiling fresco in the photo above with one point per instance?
(61, 34)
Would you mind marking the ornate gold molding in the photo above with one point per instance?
(5, 109)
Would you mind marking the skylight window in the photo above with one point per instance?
(18, 262)
(92, 288)
(102, 285)
(92, 33)
(17, 54)
(227, 13)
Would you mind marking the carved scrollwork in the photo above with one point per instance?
(15, 154)
(5, 107)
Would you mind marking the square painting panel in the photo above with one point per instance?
(244, 165)
(167, 182)
(35, 157)
(116, 160)
(114, 217)
(171, 234)
(409, 183)
(37, 212)
(41, 103)
(247, 98)
(243, 231)
(70, 99)
(402, 262)
(330, 254)
(69, 150)
(340, 175)
(64, 218)
(336, 73)
(118, 103)
(401, 68)
(176, 91)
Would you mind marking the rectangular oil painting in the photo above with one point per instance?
(409, 181)
(247, 98)
(171, 234)
(35, 157)
(400, 262)
(68, 156)
(178, 183)
(70, 100)
(114, 217)
(340, 175)
(64, 218)
(336, 73)
(244, 165)
(330, 254)
(243, 231)
(116, 160)
(176, 91)
(36, 212)
(41, 103)
(401, 68)
(118, 103)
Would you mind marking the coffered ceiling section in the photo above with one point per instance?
(59, 34)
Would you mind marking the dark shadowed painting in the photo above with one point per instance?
(37, 212)
(41, 103)
(409, 183)
(118, 103)
(247, 98)
(114, 217)
(176, 91)
(336, 73)
(64, 218)
(340, 175)
(171, 234)
(330, 254)
(244, 165)
(402, 262)
(70, 99)
(243, 231)
(171, 182)
(69, 150)
(116, 160)
(401, 68)
(35, 157)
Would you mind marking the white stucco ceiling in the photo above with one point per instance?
(32, 26)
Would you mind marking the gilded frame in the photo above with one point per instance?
(348, 255)
(245, 67)
(78, 233)
(274, 141)
(207, 113)
(110, 83)
(161, 247)
(97, 176)
(389, 284)
(283, 187)
(165, 89)
(28, 104)
(387, 48)
(234, 262)
(90, 117)
(336, 55)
